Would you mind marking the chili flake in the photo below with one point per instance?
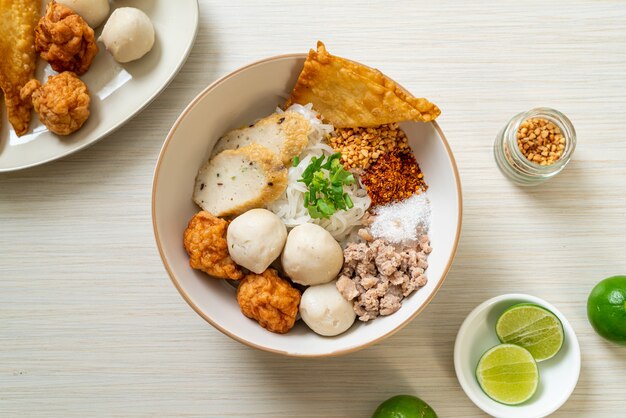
(393, 177)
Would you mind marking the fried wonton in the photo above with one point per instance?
(350, 95)
(18, 19)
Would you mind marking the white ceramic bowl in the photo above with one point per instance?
(557, 376)
(237, 99)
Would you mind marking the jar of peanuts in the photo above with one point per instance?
(535, 146)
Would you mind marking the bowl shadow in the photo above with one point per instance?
(345, 382)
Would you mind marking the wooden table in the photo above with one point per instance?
(90, 324)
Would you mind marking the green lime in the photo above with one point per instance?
(606, 309)
(507, 373)
(404, 406)
(533, 327)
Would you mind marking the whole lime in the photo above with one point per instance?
(404, 406)
(606, 309)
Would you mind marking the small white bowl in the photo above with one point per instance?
(557, 376)
(237, 99)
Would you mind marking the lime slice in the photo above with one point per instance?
(507, 373)
(533, 327)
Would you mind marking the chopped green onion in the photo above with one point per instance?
(348, 201)
(325, 182)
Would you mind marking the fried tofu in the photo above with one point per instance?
(235, 181)
(350, 95)
(286, 134)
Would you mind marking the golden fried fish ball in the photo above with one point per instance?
(65, 40)
(269, 300)
(205, 242)
(62, 103)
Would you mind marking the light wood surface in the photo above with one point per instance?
(90, 324)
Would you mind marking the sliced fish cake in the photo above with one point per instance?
(286, 134)
(238, 180)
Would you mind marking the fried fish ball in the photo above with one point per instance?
(205, 242)
(269, 300)
(65, 40)
(62, 103)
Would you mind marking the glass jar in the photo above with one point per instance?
(515, 165)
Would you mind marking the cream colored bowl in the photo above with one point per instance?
(237, 99)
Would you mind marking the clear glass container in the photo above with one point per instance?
(515, 165)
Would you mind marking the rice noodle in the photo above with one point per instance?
(290, 206)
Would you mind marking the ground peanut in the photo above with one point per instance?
(361, 147)
(540, 141)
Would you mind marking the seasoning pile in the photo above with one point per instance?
(394, 177)
(361, 147)
(402, 222)
(384, 159)
(390, 261)
(541, 141)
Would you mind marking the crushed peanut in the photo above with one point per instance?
(361, 147)
(541, 141)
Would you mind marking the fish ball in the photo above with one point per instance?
(311, 255)
(325, 311)
(255, 239)
(128, 34)
(93, 11)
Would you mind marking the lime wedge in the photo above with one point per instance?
(533, 327)
(508, 374)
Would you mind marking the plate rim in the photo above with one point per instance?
(224, 331)
(132, 115)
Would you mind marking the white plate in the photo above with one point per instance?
(118, 91)
(243, 96)
(557, 376)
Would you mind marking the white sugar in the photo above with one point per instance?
(402, 221)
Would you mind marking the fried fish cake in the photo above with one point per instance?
(62, 103)
(269, 300)
(351, 95)
(205, 242)
(18, 19)
(65, 40)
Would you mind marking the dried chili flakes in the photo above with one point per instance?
(393, 177)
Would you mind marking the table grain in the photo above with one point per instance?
(90, 324)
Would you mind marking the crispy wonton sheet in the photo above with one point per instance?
(18, 19)
(351, 95)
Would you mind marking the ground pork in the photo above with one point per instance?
(378, 275)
